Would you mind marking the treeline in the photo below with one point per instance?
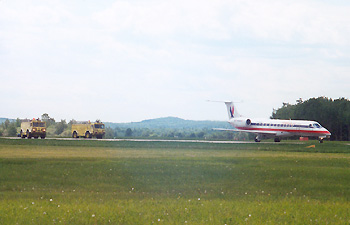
(332, 114)
(172, 133)
(9, 127)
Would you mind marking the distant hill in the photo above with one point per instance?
(171, 122)
(4, 119)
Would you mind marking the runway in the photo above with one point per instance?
(185, 141)
(164, 140)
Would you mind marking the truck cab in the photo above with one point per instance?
(98, 129)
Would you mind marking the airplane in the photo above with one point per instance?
(275, 128)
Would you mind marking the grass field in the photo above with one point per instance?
(99, 182)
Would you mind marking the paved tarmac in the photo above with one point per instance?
(163, 140)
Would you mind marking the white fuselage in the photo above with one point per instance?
(280, 128)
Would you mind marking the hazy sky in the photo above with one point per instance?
(123, 61)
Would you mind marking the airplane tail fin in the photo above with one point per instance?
(231, 110)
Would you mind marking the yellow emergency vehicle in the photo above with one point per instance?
(88, 129)
(33, 128)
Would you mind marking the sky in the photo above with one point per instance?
(127, 61)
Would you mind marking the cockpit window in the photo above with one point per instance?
(316, 125)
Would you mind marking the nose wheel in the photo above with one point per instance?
(257, 139)
(320, 140)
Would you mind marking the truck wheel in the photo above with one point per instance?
(75, 135)
(88, 135)
(28, 135)
(36, 137)
(42, 137)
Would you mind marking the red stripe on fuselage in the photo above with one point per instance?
(284, 130)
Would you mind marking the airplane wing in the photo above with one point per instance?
(264, 132)
(223, 129)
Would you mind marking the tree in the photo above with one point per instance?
(128, 132)
(46, 118)
(6, 123)
(60, 127)
(192, 135)
(111, 133)
(201, 134)
(12, 131)
(18, 122)
(72, 121)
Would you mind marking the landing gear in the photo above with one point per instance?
(257, 139)
(277, 139)
(320, 140)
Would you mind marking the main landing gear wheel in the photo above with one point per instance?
(277, 139)
(257, 139)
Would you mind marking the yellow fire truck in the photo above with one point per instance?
(33, 128)
(88, 129)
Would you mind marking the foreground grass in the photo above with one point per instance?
(92, 182)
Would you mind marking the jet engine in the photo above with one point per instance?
(248, 122)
